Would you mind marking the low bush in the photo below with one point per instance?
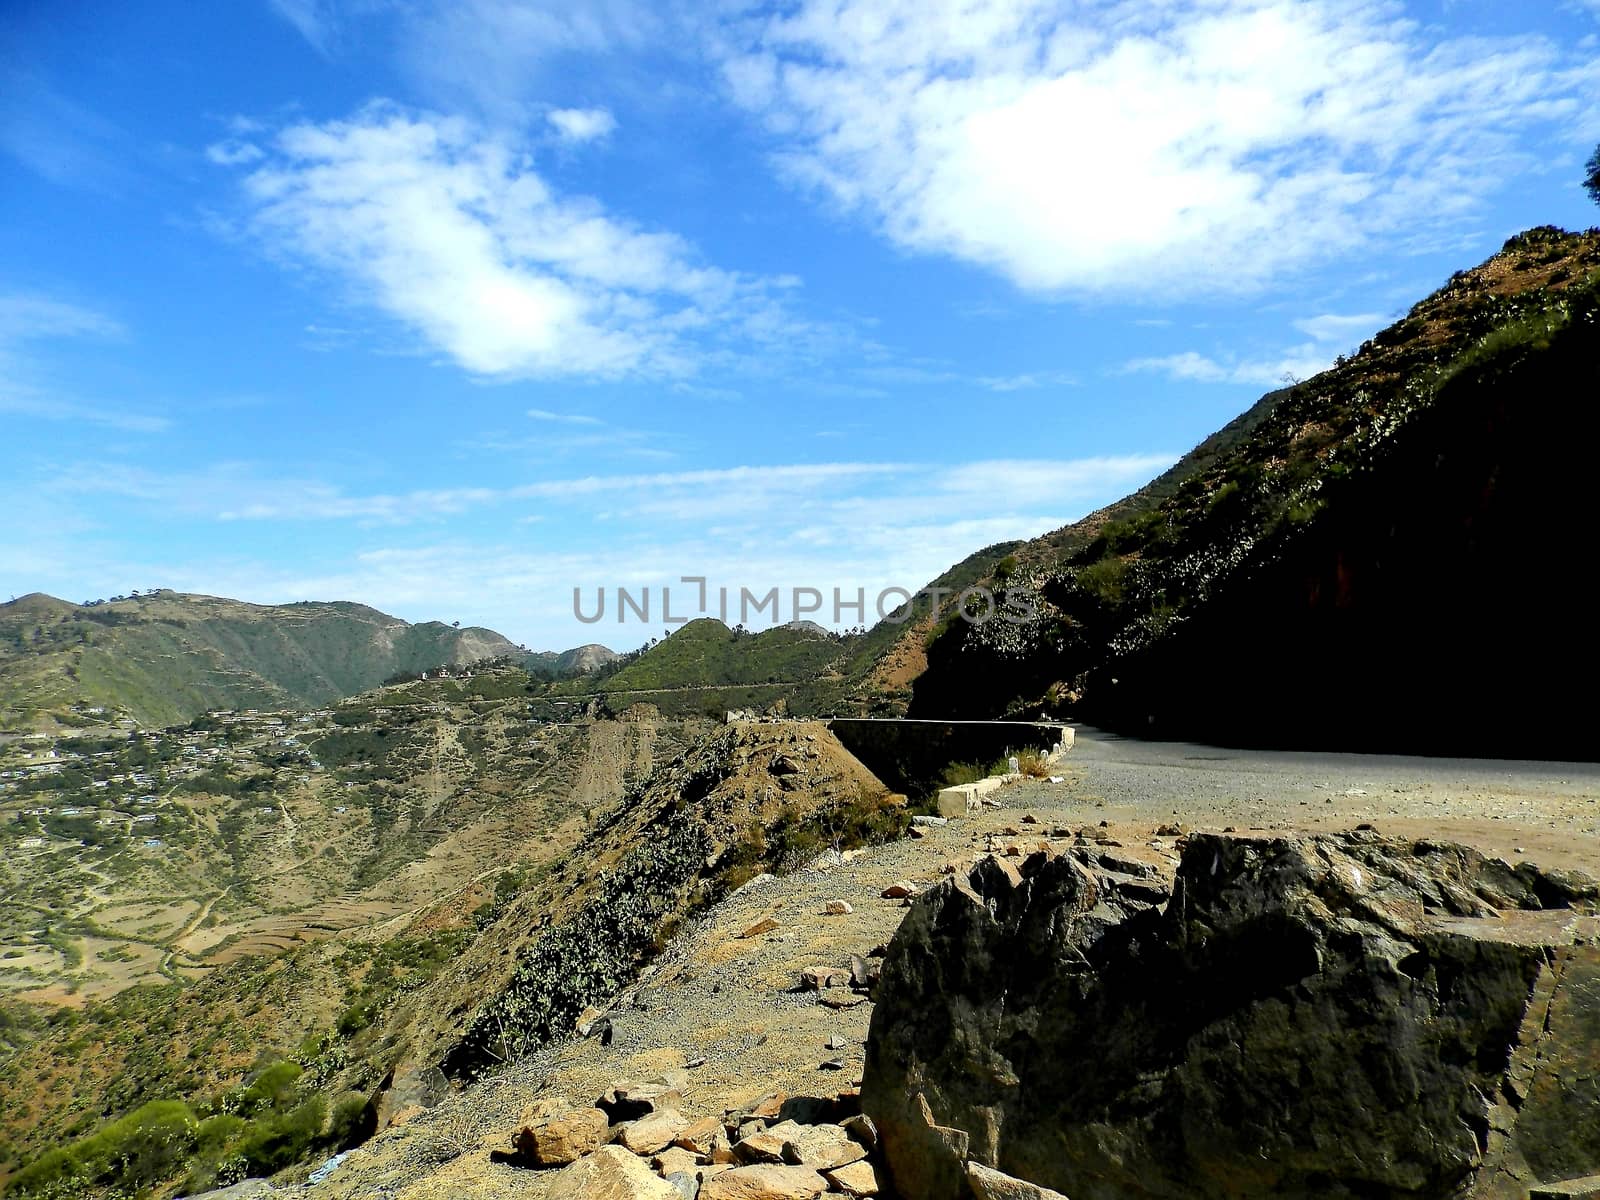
(1032, 764)
(144, 1148)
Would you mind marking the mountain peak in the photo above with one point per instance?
(37, 602)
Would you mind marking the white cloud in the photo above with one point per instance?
(581, 124)
(1019, 483)
(1293, 365)
(1142, 147)
(574, 434)
(25, 401)
(60, 139)
(495, 57)
(450, 230)
(234, 492)
(26, 319)
(233, 152)
(313, 20)
(541, 414)
(924, 372)
(765, 499)
(1352, 330)
(1028, 381)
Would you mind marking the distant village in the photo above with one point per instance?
(110, 784)
(114, 781)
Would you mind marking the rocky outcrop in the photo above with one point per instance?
(611, 1173)
(1331, 1016)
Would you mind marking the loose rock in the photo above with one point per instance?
(654, 1133)
(821, 1147)
(855, 1179)
(674, 1159)
(611, 1173)
(989, 1184)
(562, 1139)
(700, 1136)
(764, 1181)
(815, 979)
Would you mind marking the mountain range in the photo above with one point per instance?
(166, 657)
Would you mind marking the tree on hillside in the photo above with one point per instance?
(1591, 182)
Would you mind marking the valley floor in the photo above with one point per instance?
(733, 1002)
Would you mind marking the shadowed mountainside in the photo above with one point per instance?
(1369, 559)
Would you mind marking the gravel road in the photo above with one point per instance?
(1549, 809)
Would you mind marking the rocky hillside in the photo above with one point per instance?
(379, 1018)
(1369, 559)
(748, 799)
(167, 656)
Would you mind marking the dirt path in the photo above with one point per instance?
(197, 920)
(174, 945)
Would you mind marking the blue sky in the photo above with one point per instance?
(451, 308)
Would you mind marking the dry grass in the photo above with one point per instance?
(1032, 764)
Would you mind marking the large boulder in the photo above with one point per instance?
(1330, 1016)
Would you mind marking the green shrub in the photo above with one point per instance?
(275, 1143)
(144, 1148)
(355, 1018)
(959, 773)
(742, 860)
(272, 1088)
(214, 1133)
(1104, 580)
(352, 1121)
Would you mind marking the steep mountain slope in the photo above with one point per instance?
(746, 798)
(294, 890)
(168, 656)
(1372, 558)
(490, 971)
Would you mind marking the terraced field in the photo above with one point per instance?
(133, 856)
